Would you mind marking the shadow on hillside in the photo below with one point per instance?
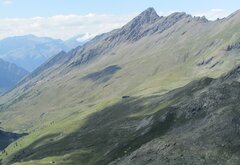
(106, 136)
(7, 138)
(116, 130)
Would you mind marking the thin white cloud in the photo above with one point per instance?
(7, 2)
(66, 26)
(62, 26)
(85, 37)
(214, 14)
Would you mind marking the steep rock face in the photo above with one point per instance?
(135, 29)
(147, 23)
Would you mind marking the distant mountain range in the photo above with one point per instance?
(159, 90)
(31, 51)
(10, 74)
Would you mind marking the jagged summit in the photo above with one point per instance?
(148, 16)
(147, 23)
(150, 9)
(136, 28)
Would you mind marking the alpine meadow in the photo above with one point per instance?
(156, 90)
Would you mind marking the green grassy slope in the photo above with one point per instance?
(202, 116)
(55, 104)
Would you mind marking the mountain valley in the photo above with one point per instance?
(159, 90)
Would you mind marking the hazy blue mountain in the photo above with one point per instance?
(10, 74)
(30, 51)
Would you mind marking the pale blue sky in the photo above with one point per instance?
(32, 8)
(66, 18)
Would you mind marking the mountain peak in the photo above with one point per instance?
(149, 11)
(146, 23)
(136, 28)
(148, 16)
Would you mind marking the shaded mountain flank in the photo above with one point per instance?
(135, 95)
(7, 138)
(10, 74)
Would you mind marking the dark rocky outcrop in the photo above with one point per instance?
(233, 46)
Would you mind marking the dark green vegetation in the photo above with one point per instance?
(136, 95)
(7, 138)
